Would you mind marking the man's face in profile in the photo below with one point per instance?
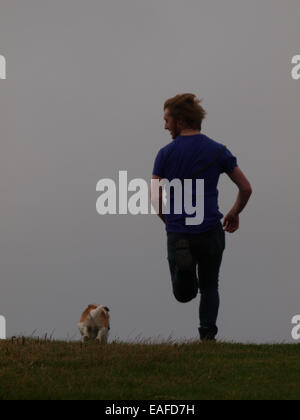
(171, 125)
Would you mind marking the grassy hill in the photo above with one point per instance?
(43, 369)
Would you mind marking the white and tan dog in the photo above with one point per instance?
(94, 323)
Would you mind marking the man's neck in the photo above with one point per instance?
(189, 132)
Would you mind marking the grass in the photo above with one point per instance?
(41, 369)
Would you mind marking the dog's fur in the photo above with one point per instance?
(94, 323)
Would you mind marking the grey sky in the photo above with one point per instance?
(86, 83)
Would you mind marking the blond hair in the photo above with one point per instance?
(186, 109)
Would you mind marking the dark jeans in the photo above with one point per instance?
(207, 250)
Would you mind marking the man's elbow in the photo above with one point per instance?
(155, 201)
(154, 198)
(246, 191)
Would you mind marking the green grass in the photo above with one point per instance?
(43, 369)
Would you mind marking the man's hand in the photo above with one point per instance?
(231, 222)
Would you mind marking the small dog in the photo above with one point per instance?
(94, 323)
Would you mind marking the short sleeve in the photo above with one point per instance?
(228, 162)
(158, 168)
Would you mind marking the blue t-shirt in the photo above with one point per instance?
(181, 159)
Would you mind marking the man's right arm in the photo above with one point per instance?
(231, 220)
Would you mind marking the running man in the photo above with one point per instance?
(195, 251)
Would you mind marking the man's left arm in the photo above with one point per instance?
(156, 196)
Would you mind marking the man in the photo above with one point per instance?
(197, 249)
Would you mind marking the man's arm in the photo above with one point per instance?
(156, 198)
(231, 220)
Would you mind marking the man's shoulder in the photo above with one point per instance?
(168, 146)
(213, 143)
(165, 150)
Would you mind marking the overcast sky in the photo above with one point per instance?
(83, 100)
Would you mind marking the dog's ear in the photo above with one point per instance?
(106, 308)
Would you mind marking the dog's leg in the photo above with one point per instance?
(102, 335)
(85, 333)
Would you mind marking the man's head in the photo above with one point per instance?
(183, 112)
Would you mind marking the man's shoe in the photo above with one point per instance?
(183, 257)
(208, 334)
